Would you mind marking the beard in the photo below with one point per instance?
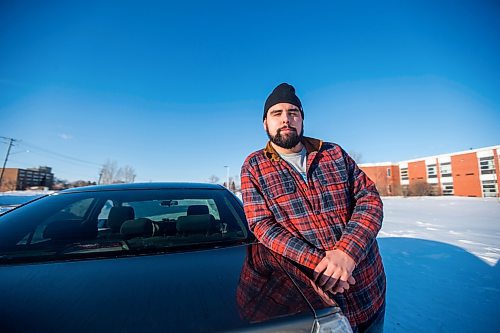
(286, 141)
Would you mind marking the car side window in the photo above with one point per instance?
(74, 211)
(77, 209)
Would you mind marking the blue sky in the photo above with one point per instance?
(176, 90)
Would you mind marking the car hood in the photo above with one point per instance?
(210, 290)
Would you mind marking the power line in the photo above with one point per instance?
(66, 172)
(60, 159)
(32, 146)
(47, 153)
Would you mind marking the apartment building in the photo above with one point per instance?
(472, 173)
(21, 179)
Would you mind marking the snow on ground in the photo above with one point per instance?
(470, 223)
(13, 198)
(441, 256)
(27, 192)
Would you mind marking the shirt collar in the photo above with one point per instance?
(311, 145)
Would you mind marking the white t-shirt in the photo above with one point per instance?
(298, 161)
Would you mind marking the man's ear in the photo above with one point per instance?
(265, 124)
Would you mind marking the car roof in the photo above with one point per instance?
(144, 186)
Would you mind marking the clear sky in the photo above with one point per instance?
(177, 90)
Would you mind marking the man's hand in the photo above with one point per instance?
(335, 266)
(342, 286)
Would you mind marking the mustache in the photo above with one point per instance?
(286, 127)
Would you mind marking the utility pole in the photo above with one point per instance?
(6, 157)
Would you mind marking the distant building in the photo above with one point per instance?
(385, 175)
(21, 179)
(471, 173)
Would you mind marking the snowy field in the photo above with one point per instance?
(441, 256)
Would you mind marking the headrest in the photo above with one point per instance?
(194, 224)
(118, 215)
(138, 227)
(197, 210)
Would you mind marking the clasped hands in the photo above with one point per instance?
(334, 272)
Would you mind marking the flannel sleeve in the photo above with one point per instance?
(366, 219)
(269, 232)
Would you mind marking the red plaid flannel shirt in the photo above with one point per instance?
(265, 291)
(337, 208)
(268, 287)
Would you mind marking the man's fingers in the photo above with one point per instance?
(338, 290)
(323, 264)
(325, 277)
(345, 276)
(330, 284)
(340, 287)
(351, 280)
(344, 285)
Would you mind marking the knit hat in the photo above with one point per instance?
(283, 93)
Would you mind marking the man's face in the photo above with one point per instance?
(284, 125)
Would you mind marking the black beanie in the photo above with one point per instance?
(283, 93)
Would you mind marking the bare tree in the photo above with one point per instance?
(126, 174)
(420, 188)
(108, 172)
(237, 182)
(213, 179)
(232, 185)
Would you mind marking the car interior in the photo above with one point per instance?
(195, 224)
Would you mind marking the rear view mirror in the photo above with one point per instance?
(169, 203)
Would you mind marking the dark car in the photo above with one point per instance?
(169, 257)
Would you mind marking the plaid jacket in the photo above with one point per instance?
(338, 208)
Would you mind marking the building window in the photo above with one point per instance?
(404, 173)
(489, 188)
(388, 172)
(487, 165)
(431, 171)
(445, 169)
(447, 188)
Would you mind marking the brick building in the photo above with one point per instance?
(385, 175)
(21, 179)
(472, 173)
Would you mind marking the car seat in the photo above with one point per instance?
(118, 215)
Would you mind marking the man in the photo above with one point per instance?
(308, 200)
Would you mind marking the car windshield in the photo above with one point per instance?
(112, 222)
